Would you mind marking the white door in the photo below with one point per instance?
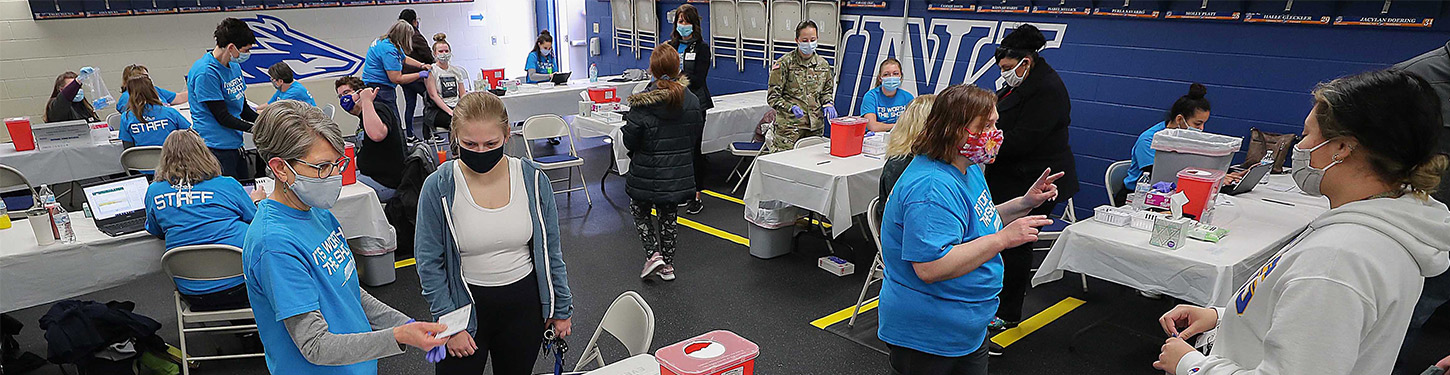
(573, 39)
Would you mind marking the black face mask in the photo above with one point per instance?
(480, 162)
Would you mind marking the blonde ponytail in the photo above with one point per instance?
(1425, 178)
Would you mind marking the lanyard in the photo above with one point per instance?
(557, 345)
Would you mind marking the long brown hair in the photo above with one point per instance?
(544, 36)
(186, 160)
(951, 115)
(132, 71)
(143, 94)
(692, 16)
(401, 34)
(55, 91)
(664, 65)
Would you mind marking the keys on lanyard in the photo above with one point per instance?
(555, 344)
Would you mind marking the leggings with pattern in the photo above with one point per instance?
(657, 238)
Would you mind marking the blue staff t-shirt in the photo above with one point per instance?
(214, 211)
(946, 208)
(382, 57)
(886, 108)
(1142, 155)
(166, 97)
(207, 81)
(294, 92)
(540, 66)
(295, 262)
(153, 126)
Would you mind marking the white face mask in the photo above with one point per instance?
(1011, 78)
(1307, 177)
(444, 57)
(1185, 126)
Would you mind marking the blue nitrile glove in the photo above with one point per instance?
(796, 110)
(830, 111)
(437, 354)
(1164, 187)
(422, 74)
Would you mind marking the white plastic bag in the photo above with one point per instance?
(772, 214)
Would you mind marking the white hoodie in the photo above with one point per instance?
(1336, 300)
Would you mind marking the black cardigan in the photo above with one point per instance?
(697, 70)
(1034, 120)
(662, 142)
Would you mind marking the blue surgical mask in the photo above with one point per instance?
(808, 48)
(890, 83)
(316, 192)
(80, 96)
(546, 51)
(347, 103)
(241, 58)
(684, 30)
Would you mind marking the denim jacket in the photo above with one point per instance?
(438, 257)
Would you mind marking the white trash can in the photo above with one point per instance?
(772, 227)
(1175, 149)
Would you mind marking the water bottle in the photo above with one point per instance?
(64, 230)
(593, 73)
(1268, 158)
(95, 88)
(1144, 184)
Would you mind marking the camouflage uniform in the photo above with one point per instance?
(808, 82)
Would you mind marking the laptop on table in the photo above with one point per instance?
(1255, 175)
(118, 206)
(561, 78)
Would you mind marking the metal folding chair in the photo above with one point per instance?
(552, 126)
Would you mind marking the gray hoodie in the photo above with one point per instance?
(1336, 300)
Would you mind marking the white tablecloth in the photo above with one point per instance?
(1201, 272)
(63, 165)
(32, 275)
(811, 178)
(732, 120)
(562, 100)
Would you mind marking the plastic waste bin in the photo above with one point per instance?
(374, 260)
(772, 228)
(1176, 149)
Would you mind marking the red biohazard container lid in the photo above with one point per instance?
(848, 120)
(707, 354)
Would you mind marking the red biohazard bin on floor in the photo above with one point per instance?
(714, 353)
(1201, 186)
(602, 95)
(349, 174)
(19, 128)
(493, 76)
(847, 134)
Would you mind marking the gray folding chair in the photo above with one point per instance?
(827, 15)
(754, 32)
(206, 262)
(878, 266)
(623, 26)
(552, 126)
(329, 110)
(784, 16)
(1113, 180)
(630, 320)
(141, 158)
(811, 141)
(114, 121)
(646, 26)
(10, 178)
(724, 31)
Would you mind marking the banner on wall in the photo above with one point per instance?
(309, 57)
(58, 9)
(1203, 15)
(864, 3)
(1126, 12)
(952, 5)
(1297, 19)
(1383, 21)
(1061, 10)
(1017, 9)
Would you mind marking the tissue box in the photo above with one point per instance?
(836, 266)
(1160, 200)
(606, 107)
(1169, 233)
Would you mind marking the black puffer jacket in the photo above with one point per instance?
(661, 145)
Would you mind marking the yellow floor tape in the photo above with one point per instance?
(844, 314)
(1004, 339)
(723, 196)
(709, 230)
(404, 263)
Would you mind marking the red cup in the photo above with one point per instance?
(442, 156)
(19, 128)
(349, 174)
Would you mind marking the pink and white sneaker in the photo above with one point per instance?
(651, 265)
(667, 273)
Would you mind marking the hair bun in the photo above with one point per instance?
(544, 32)
(439, 37)
(1197, 91)
(1025, 37)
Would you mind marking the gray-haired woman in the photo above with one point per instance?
(311, 314)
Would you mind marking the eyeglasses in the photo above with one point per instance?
(325, 169)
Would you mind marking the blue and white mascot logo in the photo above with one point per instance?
(308, 56)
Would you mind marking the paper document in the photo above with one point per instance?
(457, 321)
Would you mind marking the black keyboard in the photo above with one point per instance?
(123, 227)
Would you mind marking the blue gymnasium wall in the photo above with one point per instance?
(1122, 74)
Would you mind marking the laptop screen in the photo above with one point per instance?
(116, 198)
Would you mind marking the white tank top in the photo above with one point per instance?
(494, 243)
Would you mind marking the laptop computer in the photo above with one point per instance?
(1252, 178)
(561, 78)
(118, 206)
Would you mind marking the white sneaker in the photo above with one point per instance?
(667, 273)
(650, 265)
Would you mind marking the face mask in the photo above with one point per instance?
(444, 57)
(480, 162)
(80, 97)
(1011, 78)
(316, 192)
(1185, 126)
(242, 58)
(1307, 177)
(347, 102)
(982, 149)
(808, 48)
(891, 83)
(684, 30)
(546, 51)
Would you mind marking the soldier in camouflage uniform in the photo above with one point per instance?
(802, 89)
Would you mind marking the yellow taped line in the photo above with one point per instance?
(723, 196)
(1037, 321)
(844, 314)
(405, 263)
(710, 230)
